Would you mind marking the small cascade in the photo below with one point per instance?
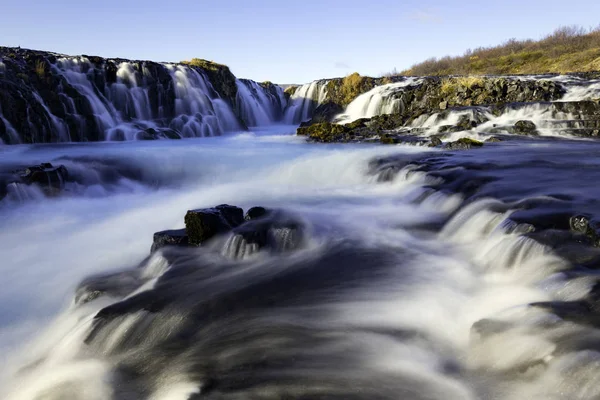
(384, 99)
(305, 100)
(8, 134)
(194, 105)
(257, 105)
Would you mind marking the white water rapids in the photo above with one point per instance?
(403, 330)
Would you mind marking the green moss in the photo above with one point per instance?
(323, 132)
(205, 64)
(343, 91)
(220, 76)
(290, 90)
(359, 123)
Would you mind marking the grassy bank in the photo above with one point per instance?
(568, 49)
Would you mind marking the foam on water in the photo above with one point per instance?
(430, 292)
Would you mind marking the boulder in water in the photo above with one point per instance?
(525, 127)
(204, 224)
(464, 144)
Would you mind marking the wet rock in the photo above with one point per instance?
(203, 224)
(275, 231)
(326, 112)
(493, 139)
(49, 178)
(525, 127)
(177, 237)
(464, 144)
(589, 228)
(255, 213)
(435, 141)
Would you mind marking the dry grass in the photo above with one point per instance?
(568, 49)
(40, 69)
(451, 85)
(199, 62)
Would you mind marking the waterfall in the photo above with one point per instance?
(257, 106)
(95, 99)
(384, 99)
(8, 134)
(305, 100)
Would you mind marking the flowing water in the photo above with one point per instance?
(399, 291)
(421, 274)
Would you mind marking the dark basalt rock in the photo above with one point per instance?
(202, 225)
(239, 236)
(177, 237)
(525, 128)
(275, 231)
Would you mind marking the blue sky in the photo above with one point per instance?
(284, 41)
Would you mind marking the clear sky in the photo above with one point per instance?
(285, 41)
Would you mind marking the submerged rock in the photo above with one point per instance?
(464, 144)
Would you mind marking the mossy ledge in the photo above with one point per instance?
(220, 76)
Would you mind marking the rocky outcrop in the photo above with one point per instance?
(434, 94)
(473, 102)
(238, 235)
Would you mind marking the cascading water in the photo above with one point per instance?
(305, 100)
(384, 99)
(94, 100)
(257, 105)
(406, 280)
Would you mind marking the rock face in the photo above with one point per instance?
(47, 97)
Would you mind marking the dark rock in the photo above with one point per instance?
(326, 112)
(176, 237)
(275, 231)
(589, 228)
(202, 225)
(255, 213)
(463, 144)
(493, 139)
(51, 179)
(525, 127)
(435, 141)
